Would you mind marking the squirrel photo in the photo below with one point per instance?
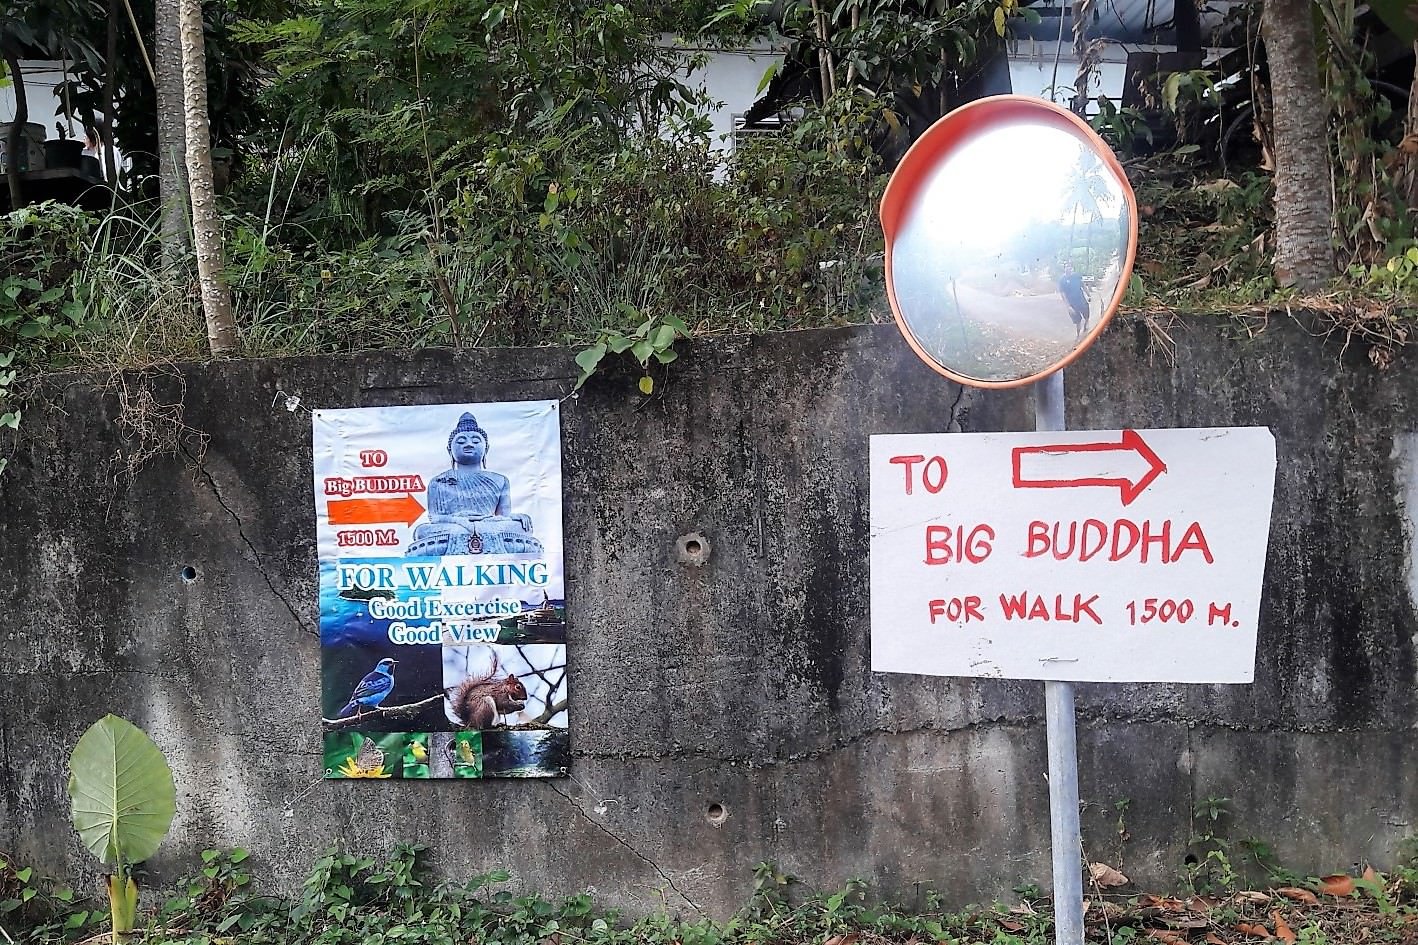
(479, 700)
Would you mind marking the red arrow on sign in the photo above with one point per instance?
(1083, 457)
(404, 508)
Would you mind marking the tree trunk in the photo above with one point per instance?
(110, 163)
(824, 54)
(1304, 256)
(1082, 13)
(17, 138)
(206, 225)
(440, 754)
(175, 232)
(1188, 25)
(1410, 134)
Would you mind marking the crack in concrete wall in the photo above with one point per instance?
(255, 556)
(621, 841)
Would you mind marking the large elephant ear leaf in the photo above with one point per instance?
(122, 793)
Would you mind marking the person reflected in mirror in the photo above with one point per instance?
(1071, 288)
(469, 506)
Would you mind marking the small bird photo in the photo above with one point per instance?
(467, 748)
(372, 687)
(416, 756)
(372, 690)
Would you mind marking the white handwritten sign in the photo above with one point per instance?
(1102, 556)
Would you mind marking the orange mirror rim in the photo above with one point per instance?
(938, 142)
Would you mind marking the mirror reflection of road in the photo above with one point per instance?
(999, 336)
(1042, 318)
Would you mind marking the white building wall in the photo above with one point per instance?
(42, 81)
(731, 79)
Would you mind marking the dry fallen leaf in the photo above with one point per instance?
(1246, 928)
(1212, 939)
(1217, 187)
(1372, 875)
(1252, 895)
(850, 938)
(1299, 895)
(1282, 930)
(1167, 938)
(1105, 875)
(1340, 884)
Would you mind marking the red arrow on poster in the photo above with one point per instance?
(1087, 464)
(404, 508)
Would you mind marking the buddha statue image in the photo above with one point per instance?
(469, 506)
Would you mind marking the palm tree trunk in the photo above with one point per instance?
(824, 54)
(206, 225)
(16, 139)
(110, 165)
(1304, 256)
(176, 233)
(1410, 134)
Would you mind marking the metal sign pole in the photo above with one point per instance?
(1065, 833)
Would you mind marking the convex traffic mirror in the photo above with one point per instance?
(1010, 236)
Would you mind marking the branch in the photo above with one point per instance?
(16, 138)
(552, 687)
(549, 713)
(142, 47)
(387, 712)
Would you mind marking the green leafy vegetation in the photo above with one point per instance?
(487, 173)
(348, 899)
(645, 234)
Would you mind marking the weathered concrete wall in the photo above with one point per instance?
(743, 683)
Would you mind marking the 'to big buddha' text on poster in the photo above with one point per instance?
(442, 610)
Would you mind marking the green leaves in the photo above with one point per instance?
(122, 793)
(652, 339)
(768, 75)
(38, 247)
(1196, 86)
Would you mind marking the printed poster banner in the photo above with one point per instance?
(442, 603)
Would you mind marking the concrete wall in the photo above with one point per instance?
(743, 683)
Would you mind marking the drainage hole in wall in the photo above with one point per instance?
(716, 815)
(693, 549)
(189, 574)
(1190, 859)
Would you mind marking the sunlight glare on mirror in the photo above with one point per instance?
(1012, 253)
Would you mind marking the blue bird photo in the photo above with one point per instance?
(372, 689)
